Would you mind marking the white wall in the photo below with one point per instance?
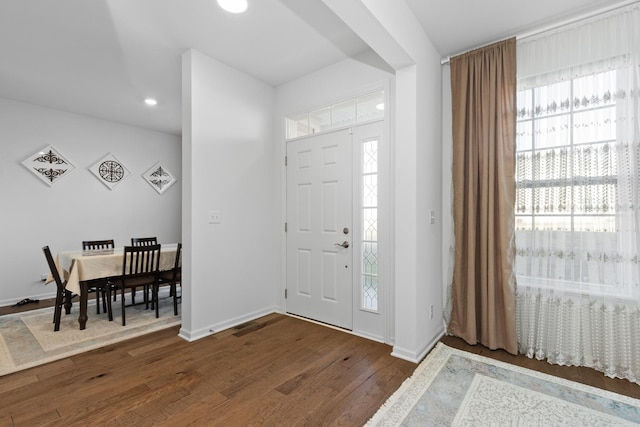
(228, 268)
(399, 39)
(448, 242)
(77, 207)
(343, 80)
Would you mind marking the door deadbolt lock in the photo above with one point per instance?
(344, 244)
(345, 230)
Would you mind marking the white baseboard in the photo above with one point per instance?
(417, 356)
(221, 326)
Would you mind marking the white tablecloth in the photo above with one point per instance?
(77, 266)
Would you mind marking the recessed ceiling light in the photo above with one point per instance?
(150, 101)
(233, 6)
(380, 107)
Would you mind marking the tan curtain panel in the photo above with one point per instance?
(483, 92)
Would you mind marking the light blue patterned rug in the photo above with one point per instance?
(455, 388)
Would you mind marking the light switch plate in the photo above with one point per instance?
(214, 217)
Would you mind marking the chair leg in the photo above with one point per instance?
(122, 297)
(174, 289)
(154, 296)
(97, 300)
(57, 313)
(107, 298)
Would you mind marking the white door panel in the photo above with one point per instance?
(319, 209)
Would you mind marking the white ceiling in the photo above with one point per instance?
(101, 58)
(456, 26)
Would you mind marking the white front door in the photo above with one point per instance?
(319, 229)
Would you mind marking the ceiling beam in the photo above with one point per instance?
(363, 21)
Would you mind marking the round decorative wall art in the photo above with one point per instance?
(110, 171)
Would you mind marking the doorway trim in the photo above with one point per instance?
(386, 221)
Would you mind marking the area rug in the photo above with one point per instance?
(27, 339)
(456, 388)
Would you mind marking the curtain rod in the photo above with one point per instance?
(550, 27)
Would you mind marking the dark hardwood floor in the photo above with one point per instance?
(277, 370)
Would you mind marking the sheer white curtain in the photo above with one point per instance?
(578, 195)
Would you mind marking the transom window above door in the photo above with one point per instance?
(362, 109)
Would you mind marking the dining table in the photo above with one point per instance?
(79, 267)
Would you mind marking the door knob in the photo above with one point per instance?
(344, 244)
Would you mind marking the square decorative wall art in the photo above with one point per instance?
(49, 165)
(159, 177)
(110, 171)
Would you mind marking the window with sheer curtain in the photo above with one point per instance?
(578, 195)
(571, 198)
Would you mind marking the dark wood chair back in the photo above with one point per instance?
(140, 268)
(60, 288)
(97, 244)
(100, 284)
(173, 277)
(144, 241)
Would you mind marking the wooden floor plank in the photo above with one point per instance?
(228, 378)
(277, 370)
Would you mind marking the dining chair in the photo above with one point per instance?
(173, 277)
(62, 295)
(99, 286)
(140, 268)
(97, 244)
(144, 241)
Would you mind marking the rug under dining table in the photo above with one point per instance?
(27, 339)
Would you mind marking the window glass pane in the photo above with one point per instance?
(552, 131)
(369, 258)
(370, 224)
(370, 292)
(524, 166)
(594, 91)
(297, 126)
(320, 120)
(369, 191)
(524, 135)
(601, 224)
(594, 160)
(525, 104)
(343, 114)
(524, 200)
(556, 223)
(552, 99)
(369, 242)
(524, 222)
(594, 125)
(371, 107)
(594, 198)
(370, 156)
(551, 199)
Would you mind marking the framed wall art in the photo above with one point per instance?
(110, 171)
(159, 177)
(49, 165)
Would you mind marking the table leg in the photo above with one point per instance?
(84, 295)
(67, 302)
